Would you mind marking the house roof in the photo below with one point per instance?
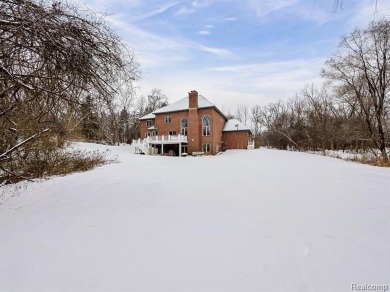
(182, 105)
(148, 117)
(234, 125)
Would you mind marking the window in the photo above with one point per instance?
(184, 124)
(172, 133)
(206, 126)
(206, 147)
(167, 119)
(148, 123)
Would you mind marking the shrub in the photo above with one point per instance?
(41, 163)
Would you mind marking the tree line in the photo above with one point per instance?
(350, 111)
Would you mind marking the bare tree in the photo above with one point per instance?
(143, 106)
(256, 120)
(156, 99)
(360, 71)
(242, 113)
(320, 115)
(51, 58)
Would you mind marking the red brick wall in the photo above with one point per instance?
(193, 135)
(216, 125)
(235, 139)
(175, 124)
(143, 128)
(193, 99)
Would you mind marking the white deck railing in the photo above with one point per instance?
(143, 145)
(169, 138)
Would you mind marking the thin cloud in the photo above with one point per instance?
(185, 11)
(157, 11)
(368, 11)
(204, 32)
(158, 50)
(279, 76)
(317, 11)
(270, 67)
(207, 30)
(265, 7)
(222, 53)
(192, 8)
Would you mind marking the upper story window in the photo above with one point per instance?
(184, 125)
(206, 126)
(148, 123)
(167, 119)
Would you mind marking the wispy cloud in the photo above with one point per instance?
(317, 11)
(192, 7)
(265, 7)
(204, 32)
(269, 81)
(183, 10)
(221, 53)
(152, 49)
(207, 30)
(300, 66)
(157, 11)
(367, 11)
(156, 50)
(230, 19)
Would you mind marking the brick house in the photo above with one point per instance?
(191, 125)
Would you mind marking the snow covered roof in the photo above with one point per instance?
(148, 117)
(234, 125)
(182, 104)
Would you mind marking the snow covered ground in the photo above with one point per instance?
(350, 155)
(261, 220)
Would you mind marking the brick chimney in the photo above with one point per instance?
(193, 132)
(193, 99)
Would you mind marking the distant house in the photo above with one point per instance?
(191, 125)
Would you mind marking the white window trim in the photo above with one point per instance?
(183, 128)
(207, 128)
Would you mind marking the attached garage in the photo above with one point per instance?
(235, 135)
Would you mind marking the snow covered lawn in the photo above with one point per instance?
(261, 220)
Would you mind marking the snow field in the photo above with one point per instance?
(261, 220)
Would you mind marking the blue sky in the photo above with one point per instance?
(234, 52)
